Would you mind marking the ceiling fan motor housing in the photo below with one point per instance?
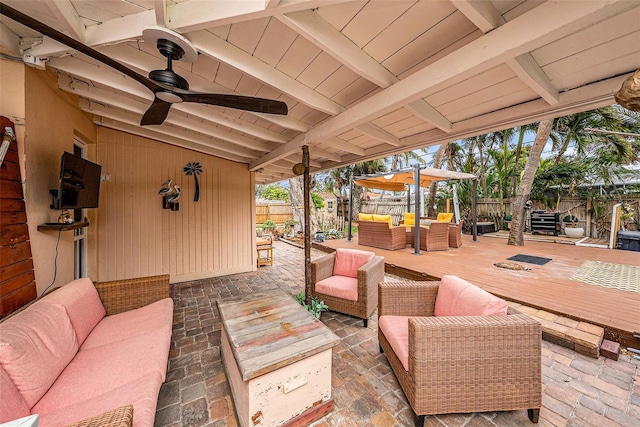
(173, 52)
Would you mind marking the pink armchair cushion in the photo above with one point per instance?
(83, 305)
(12, 404)
(35, 347)
(348, 261)
(339, 287)
(396, 331)
(457, 297)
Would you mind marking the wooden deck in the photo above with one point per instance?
(547, 287)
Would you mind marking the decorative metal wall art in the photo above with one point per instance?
(170, 195)
(195, 169)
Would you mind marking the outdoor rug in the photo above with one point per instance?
(537, 260)
(607, 274)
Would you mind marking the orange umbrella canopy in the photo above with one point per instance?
(397, 181)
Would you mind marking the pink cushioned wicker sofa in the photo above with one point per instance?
(86, 351)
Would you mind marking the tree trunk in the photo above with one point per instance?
(296, 192)
(516, 234)
(433, 188)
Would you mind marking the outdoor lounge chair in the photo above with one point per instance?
(455, 234)
(380, 235)
(347, 281)
(435, 237)
(449, 361)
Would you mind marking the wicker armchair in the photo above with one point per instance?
(455, 234)
(368, 277)
(462, 364)
(379, 235)
(433, 238)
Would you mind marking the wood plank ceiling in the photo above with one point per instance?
(362, 79)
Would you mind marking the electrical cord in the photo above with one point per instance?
(55, 266)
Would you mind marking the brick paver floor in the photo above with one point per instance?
(577, 390)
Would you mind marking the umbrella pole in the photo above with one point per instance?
(416, 226)
(474, 211)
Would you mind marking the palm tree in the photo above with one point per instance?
(398, 161)
(516, 236)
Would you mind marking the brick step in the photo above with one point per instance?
(582, 337)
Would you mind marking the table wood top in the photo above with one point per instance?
(270, 329)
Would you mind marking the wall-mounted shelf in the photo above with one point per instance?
(52, 226)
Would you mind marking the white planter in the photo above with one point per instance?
(574, 232)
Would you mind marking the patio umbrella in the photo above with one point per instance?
(399, 180)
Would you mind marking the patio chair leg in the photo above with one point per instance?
(366, 322)
(420, 420)
(381, 350)
(533, 414)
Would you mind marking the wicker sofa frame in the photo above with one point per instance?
(462, 364)
(455, 234)
(378, 235)
(369, 275)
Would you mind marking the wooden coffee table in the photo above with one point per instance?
(278, 359)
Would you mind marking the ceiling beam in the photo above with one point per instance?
(341, 144)
(318, 152)
(553, 20)
(151, 134)
(106, 76)
(319, 32)
(378, 133)
(72, 24)
(92, 93)
(224, 148)
(487, 18)
(160, 9)
(213, 46)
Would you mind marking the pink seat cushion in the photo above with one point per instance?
(396, 331)
(35, 347)
(339, 287)
(12, 404)
(457, 297)
(98, 370)
(348, 261)
(152, 317)
(141, 392)
(83, 305)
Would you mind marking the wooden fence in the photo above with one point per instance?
(277, 212)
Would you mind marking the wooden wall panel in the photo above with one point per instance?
(17, 280)
(137, 237)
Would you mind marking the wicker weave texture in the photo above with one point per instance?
(455, 235)
(461, 364)
(119, 417)
(434, 238)
(379, 235)
(369, 275)
(128, 294)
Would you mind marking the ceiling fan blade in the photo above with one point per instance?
(247, 103)
(156, 113)
(75, 44)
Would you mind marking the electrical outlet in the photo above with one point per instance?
(105, 177)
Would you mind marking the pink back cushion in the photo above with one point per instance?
(35, 346)
(83, 305)
(348, 261)
(457, 297)
(396, 331)
(339, 287)
(12, 404)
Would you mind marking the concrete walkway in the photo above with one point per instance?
(577, 390)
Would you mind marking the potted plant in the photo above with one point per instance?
(507, 220)
(268, 226)
(316, 307)
(571, 228)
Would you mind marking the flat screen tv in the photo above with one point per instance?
(79, 185)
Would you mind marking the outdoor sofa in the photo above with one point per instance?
(86, 351)
(455, 348)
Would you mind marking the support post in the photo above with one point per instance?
(416, 236)
(474, 211)
(408, 198)
(307, 225)
(349, 236)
